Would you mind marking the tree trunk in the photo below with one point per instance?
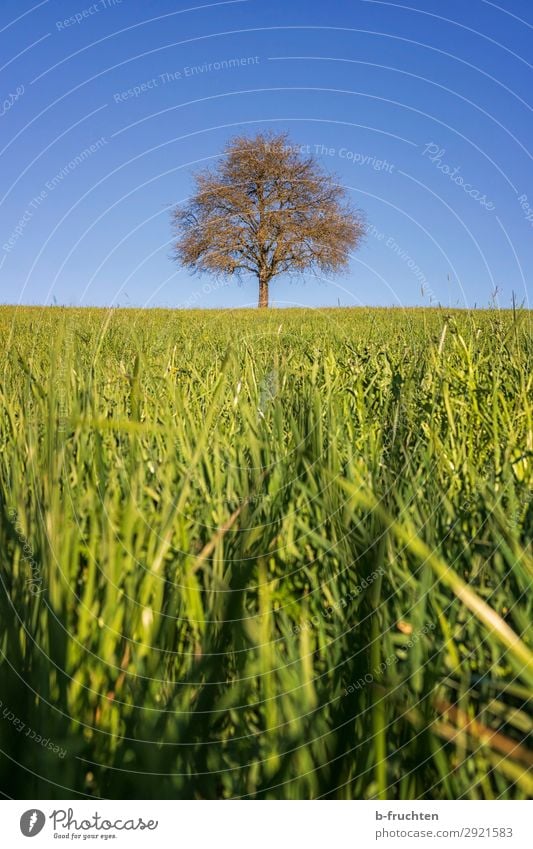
(263, 291)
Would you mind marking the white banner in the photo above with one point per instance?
(258, 825)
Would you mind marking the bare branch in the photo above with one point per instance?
(266, 210)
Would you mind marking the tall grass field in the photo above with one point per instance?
(275, 555)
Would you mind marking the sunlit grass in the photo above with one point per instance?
(280, 555)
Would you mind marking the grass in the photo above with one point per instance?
(280, 555)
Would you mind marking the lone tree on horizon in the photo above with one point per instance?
(265, 209)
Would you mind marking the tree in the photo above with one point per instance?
(266, 209)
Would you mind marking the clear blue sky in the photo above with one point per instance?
(422, 109)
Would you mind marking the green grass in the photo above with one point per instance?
(277, 555)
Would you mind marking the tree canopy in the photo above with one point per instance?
(265, 209)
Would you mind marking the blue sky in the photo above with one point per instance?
(422, 109)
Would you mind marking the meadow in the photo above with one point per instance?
(279, 554)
